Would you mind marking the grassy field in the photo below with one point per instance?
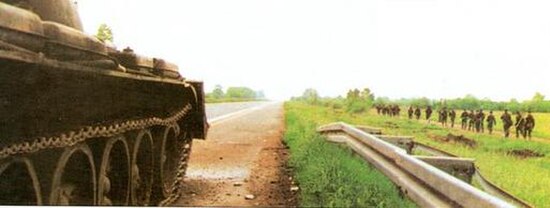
(542, 120)
(527, 178)
(328, 175)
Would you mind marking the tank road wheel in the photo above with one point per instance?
(19, 184)
(114, 173)
(142, 169)
(74, 178)
(169, 159)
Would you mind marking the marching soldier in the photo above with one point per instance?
(410, 112)
(417, 112)
(481, 117)
(452, 116)
(443, 115)
(378, 108)
(428, 113)
(478, 121)
(472, 116)
(529, 125)
(520, 124)
(491, 121)
(397, 110)
(506, 123)
(464, 119)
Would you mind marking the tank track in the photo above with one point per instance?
(91, 133)
(73, 137)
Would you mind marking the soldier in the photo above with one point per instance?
(481, 117)
(478, 121)
(443, 115)
(417, 112)
(464, 116)
(471, 125)
(397, 110)
(529, 125)
(428, 113)
(491, 121)
(452, 116)
(506, 123)
(520, 124)
(378, 108)
(410, 112)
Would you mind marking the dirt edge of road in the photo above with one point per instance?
(244, 162)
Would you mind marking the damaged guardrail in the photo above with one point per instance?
(425, 179)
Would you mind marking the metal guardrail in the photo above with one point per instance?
(425, 184)
(487, 185)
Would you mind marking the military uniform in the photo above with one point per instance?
(520, 124)
(397, 110)
(506, 123)
(464, 119)
(481, 117)
(428, 113)
(529, 125)
(491, 121)
(452, 116)
(417, 113)
(410, 112)
(471, 125)
(444, 117)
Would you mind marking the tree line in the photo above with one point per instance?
(357, 101)
(469, 102)
(233, 94)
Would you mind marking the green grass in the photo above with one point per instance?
(329, 175)
(528, 179)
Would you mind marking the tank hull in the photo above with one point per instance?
(71, 125)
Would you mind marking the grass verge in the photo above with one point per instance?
(526, 178)
(329, 175)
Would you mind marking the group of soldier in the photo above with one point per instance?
(470, 120)
(388, 110)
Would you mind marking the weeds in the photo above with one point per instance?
(329, 175)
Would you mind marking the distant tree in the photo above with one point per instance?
(217, 92)
(104, 33)
(538, 97)
(240, 92)
(311, 96)
(381, 100)
(358, 101)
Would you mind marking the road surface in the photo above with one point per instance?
(243, 160)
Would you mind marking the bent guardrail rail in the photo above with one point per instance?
(425, 184)
(487, 185)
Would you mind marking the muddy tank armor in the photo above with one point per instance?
(84, 124)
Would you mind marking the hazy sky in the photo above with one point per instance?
(399, 48)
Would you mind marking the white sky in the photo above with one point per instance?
(498, 49)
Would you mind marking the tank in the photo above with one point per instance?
(82, 123)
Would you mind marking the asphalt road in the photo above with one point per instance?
(243, 160)
(215, 110)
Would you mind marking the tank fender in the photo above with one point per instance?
(198, 125)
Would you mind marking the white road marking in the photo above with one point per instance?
(240, 113)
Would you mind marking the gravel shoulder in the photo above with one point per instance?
(241, 163)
